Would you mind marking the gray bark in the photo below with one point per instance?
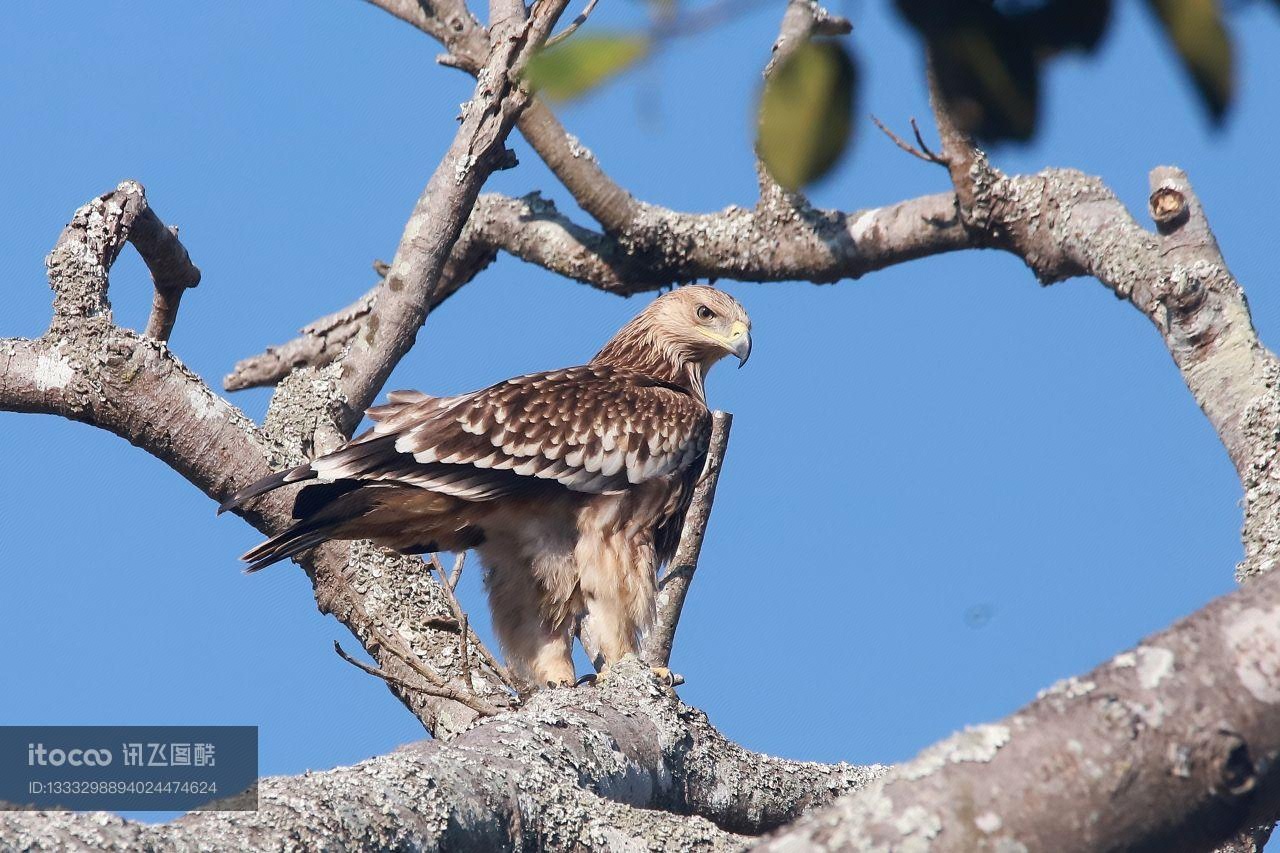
(1172, 745)
(626, 766)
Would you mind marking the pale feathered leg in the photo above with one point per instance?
(538, 651)
(541, 654)
(616, 579)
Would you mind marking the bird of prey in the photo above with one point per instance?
(571, 484)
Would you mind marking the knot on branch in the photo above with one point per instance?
(1233, 765)
(1168, 207)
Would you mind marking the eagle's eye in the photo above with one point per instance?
(705, 313)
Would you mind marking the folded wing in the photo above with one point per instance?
(587, 429)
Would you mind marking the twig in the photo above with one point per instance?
(374, 671)
(460, 615)
(446, 693)
(573, 25)
(450, 583)
(924, 146)
(674, 585)
(923, 152)
(441, 689)
(466, 655)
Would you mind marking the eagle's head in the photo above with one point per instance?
(702, 323)
(681, 334)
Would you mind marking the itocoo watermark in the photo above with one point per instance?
(38, 756)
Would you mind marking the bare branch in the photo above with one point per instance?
(746, 245)
(591, 755)
(449, 584)
(171, 270)
(802, 20)
(1170, 746)
(674, 585)
(967, 165)
(321, 342)
(87, 369)
(403, 299)
(921, 153)
(465, 696)
(391, 680)
(118, 216)
(574, 24)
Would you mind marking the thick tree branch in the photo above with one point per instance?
(401, 302)
(1172, 746)
(745, 245)
(576, 769)
(87, 369)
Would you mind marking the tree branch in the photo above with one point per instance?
(1171, 746)
(802, 20)
(87, 369)
(744, 245)
(576, 769)
(401, 302)
(674, 585)
(323, 341)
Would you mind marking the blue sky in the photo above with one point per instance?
(947, 486)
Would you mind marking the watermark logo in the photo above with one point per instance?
(39, 756)
(134, 768)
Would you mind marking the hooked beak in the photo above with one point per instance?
(739, 342)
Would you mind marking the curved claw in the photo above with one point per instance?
(667, 677)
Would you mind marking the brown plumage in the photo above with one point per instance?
(571, 484)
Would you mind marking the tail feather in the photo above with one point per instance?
(267, 484)
(328, 510)
(282, 546)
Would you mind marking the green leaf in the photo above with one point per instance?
(806, 113)
(1198, 34)
(581, 63)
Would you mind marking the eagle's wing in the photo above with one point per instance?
(589, 429)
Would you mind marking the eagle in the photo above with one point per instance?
(571, 484)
